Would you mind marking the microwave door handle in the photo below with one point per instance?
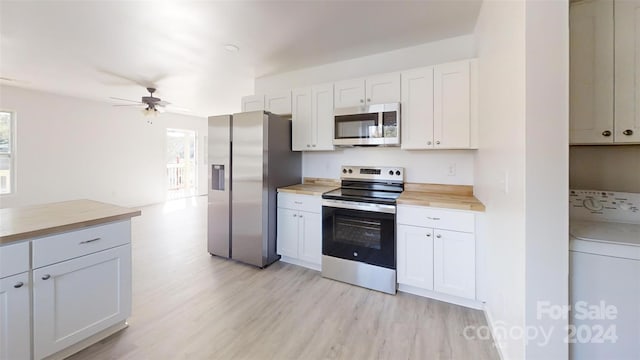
(380, 129)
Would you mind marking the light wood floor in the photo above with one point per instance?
(190, 305)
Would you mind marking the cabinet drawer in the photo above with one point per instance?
(52, 249)
(308, 203)
(14, 259)
(436, 218)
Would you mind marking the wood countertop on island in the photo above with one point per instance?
(47, 219)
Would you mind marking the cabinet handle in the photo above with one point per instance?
(361, 100)
(438, 236)
(628, 132)
(606, 133)
(46, 277)
(433, 218)
(438, 142)
(368, 100)
(18, 285)
(308, 145)
(294, 215)
(428, 142)
(298, 202)
(89, 241)
(300, 216)
(428, 235)
(314, 145)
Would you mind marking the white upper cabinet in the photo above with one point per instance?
(627, 72)
(312, 118)
(604, 72)
(437, 107)
(252, 103)
(301, 137)
(278, 103)
(379, 89)
(591, 72)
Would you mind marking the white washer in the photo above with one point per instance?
(604, 270)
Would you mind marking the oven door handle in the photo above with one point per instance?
(389, 209)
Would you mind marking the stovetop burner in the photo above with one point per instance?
(378, 185)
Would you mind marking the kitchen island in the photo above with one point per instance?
(65, 277)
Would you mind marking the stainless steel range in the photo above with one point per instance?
(359, 227)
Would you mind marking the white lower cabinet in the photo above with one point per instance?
(454, 263)
(436, 253)
(415, 256)
(299, 229)
(15, 313)
(77, 298)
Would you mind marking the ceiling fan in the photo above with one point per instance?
(151, 105)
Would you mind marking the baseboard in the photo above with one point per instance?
(490, 323)
(473, 304)
(65, 353)
(294, 261)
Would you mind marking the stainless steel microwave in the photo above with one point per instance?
(377, 124)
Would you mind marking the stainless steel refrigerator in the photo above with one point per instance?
(249, 158)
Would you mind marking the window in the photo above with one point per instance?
(7, 147)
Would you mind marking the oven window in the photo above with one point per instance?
(357, 126)
(359, 232)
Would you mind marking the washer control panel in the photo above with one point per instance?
(599, 205)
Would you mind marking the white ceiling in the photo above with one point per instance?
(102, 49)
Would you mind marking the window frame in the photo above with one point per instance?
(11, 154)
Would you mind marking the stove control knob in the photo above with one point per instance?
(344, 171)
(390, 172)
(592, 204)
(398, 172)
(350, 171)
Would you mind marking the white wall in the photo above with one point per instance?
(547, 176)
(500, 167)
(522, 170)
(421, 166)
(614, 168)
(69, 148)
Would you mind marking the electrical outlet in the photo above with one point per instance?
(451, 171)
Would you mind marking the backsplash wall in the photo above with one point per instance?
(613, 168)
(427, 166)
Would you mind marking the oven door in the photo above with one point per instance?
(360, 232)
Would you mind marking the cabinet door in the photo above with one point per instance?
(627, 71)
(383, 89)
(322, 115)
(310, 235)
(417, 109)
(278, 103)
(591, 72)
(301, 120)
(252, 103)
(287, 227)
(451, 106)
(15, 333)
(349, 93)
(78, 298)
(454, 263)
(415, 256)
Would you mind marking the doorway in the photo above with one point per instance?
(181, 163)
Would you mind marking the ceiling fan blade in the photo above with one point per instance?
(162, 103)
(121, 99)
(139, 105)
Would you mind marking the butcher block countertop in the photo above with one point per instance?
(458, 197)
(312, 186)
(47, 219)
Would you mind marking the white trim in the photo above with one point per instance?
(490, 322)
(470, 303)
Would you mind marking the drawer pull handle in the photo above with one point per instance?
(18, 285)
(89, 241)
(433, 218)
(298, 202)
(438, 236)
(46, 277)
(428, 235)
